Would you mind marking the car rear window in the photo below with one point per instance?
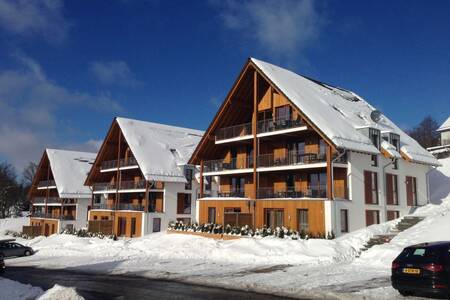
(420, 254)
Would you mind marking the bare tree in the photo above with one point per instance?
(425, 133)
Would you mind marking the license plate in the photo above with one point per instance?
(411, 271)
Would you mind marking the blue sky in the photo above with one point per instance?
(68, 67)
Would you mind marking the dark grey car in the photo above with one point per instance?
(2, 265)
(10, 248)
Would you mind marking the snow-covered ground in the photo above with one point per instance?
(312, 268)
(13, 290)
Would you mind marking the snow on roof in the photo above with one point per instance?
(70, 169)
(338, 113)
(389, 148)
(159, 149)
(445, 125)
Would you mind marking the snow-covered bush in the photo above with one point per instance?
(86, 233)
(279, 232)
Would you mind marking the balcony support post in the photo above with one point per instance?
(329, 173)
(118, 170)
(201, 179)
(146, 197)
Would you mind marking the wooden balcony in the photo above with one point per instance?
(52, 216)
(104, 187)
(46, 184)
(292, 192)
(290, 159)
(132, 185)
(120, 206)
(232, 132)
(219, 165)
(270, 125)
(49, 200)
(112, 165)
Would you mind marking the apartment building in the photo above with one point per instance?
(287, 150)
(141, 180)
(58, 195)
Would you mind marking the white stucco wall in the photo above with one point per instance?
(356, 206)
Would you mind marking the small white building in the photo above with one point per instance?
(443, 150)
(141, 180)
(58, 195)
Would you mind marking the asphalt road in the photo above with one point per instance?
(98, 286)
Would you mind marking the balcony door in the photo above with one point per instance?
(121, 226)
(274, 217)
(237, 185)
(318, 185)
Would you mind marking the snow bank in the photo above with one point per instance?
(13, 290)
(13, 224)
(60, 292)
(439, 179)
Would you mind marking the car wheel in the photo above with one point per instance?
(27, 253)
(405, 293)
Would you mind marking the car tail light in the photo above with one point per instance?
(395, 265)
(434, 267)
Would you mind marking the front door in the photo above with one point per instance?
(46, 230)
(121, 226)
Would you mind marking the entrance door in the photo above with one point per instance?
(121, 226)
(46, 230)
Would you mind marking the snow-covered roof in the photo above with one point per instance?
(445, 125)
(70, 169)
(338, 113)
(160, 150)
(389, 148)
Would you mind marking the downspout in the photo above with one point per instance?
(334, 225)
(385, 186)
(428, 183)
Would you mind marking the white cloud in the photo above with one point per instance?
(29, 112)
(281, 27)
(27, 18)
(113, 72)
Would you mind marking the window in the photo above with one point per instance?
(184, 203)
(212, 215)
(189, 174)
(411, 191)
(371, 187)
(274, 217)
(374, 158)
(237, 186)
(395, 141)
(97, 199)
(344, 220)
(156, 224)
(318, 185)
(374, 135)
(322, 148)
(95, 217)
(228, 210)
(290, 182)
(391, 189)
(283, 113)
(184, 220)
(302, 220)
(208, 183)
(372, 217)
(133, 227)
(105, 218)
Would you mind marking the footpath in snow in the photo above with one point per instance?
(312, 268)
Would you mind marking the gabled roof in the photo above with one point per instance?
(70, 169)
(445, 125)
(160, 149)
(338, 113)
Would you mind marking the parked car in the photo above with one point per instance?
(2, 265)
(423, 269)
(10, 248)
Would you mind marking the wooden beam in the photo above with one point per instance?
(254, 129)
(118, 169)
(201, 179)
(329, 174)
(146, 198)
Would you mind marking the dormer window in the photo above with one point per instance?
(394, 140)
(374, 136)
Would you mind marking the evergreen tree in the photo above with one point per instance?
(10, 190)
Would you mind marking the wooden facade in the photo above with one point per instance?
(125, 223)
(263, 148)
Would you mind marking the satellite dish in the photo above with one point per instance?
(376, 116)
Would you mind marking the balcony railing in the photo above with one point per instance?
(132, 185)
(46, 183)
(232, 193)
(124, 162)
(291, 192)
(271, 125)
(103, 186)
(120, 206)
(39, 214)
(38, 200)
(292, 158)
(234, 131)
(235, 163)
